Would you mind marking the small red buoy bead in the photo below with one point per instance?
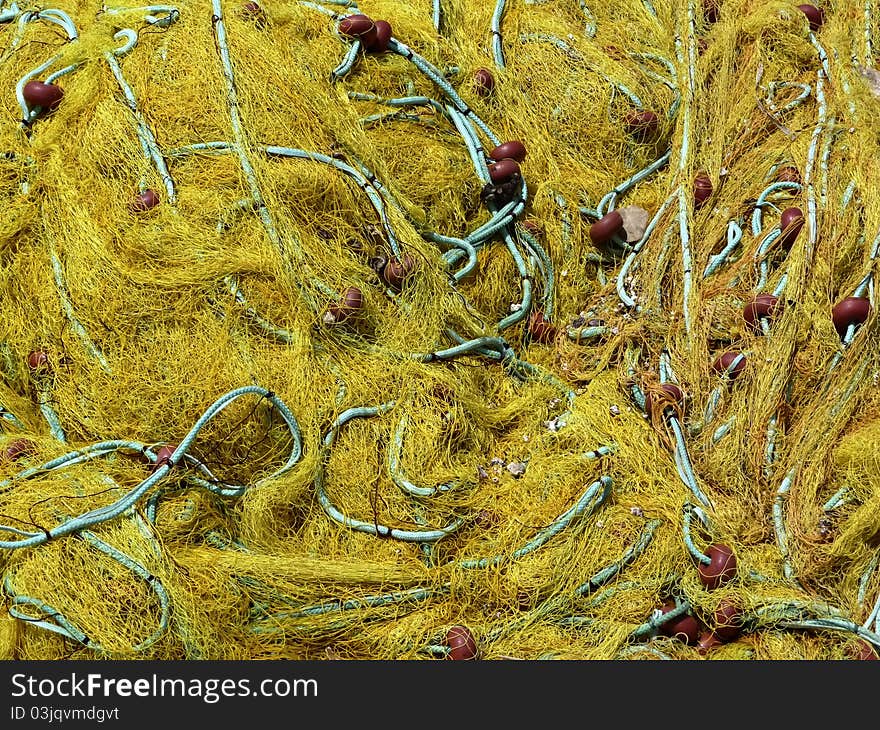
(707, 642)
(762, 306)
(377, 41)
(790, 223)
(684, 628)
(147, 200)
(727, 619)
(540, 328)
(353, 298)
(486, 519)
(604, 229)
(710, 10)
(670, 392)
(255, 13)
(45, 96)
(525, 601)
(38, 361)
(788, 174)
(163, 456)
(461, 643)
(721, 570)
(503, 170)
(396, 271)
(815, 16)
(484, 82)
(852, 310)
(725, 360)
(514, 150)
(15, 450)
(642, 124)
(702, 190)
(355, 26)
(533, 227)
(352, 303)
(673, 391)
(863, 651)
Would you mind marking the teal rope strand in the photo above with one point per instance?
(631, 257)
(599, 579)
(683, 463)
(579, 334)
(811, 159)
(279, 333)
(655, 622)
(595, 495)
(364, 182)
(684, 193)
(67, 306)
(835, 625)
(628, 184)
(45, 402)
(64, 627)
(794, 103)
(142, 572)
(237, 130)
(723, 430)
(11, 418)
(370, 528)
(671, 81)
(779, 522)
(574, 55)
(734, 236)
(526, 304)
(539, 260)
(109, 512)
(436, 76)
(635, 550)
(497, 48)
(145, 135)
(761, 202)
(415, 595)
(68, 629)
(394, 469)
(348, 60)
(686, 513)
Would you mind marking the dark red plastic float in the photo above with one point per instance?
(721, 570)
(461, 643)
(852, 310)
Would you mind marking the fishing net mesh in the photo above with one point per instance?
(268, 166)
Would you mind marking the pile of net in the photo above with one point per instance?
(439, 329)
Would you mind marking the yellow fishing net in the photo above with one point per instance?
(294, 367)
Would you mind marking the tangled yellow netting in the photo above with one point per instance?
(565, 510)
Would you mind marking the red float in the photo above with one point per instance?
(396, 271)
(762, 306)
(604, 229)
(514, 150)
(852, 310)
(725, 360)
(461, 643)
(503, 170)
(721, 570)
(540, 328)
(45, 96)
(484, 82)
